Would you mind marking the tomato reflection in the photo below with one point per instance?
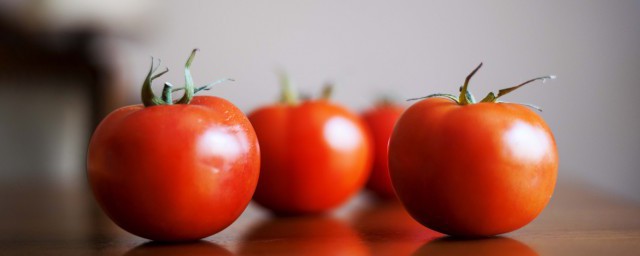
(196, 248)
(389, 230)
(308, 235)
(498, 246)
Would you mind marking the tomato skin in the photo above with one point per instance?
(475, 170)
(174, 172)
(315, 156)
(380, 121)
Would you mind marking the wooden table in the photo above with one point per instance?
(42, 219)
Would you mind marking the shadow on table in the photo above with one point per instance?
(495, 246)
(303, 235)
(162, 249)
(387, 228)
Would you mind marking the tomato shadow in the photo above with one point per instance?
(167, 249)
(389, 219)
(387, 228)
(498, 246)
(289, 215)
(302, 235)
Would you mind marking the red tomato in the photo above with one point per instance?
(381, 120)
(315, 156)
(174, 172)
(473, 169)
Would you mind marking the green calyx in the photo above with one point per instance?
(290, 96)
(385, 100)
(466, 97)
(150, 99)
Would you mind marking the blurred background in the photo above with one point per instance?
(64, 64)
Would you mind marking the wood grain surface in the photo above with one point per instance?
(47, 219)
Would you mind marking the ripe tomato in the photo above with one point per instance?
(380, 121)
(174, 172)
(315, 155)
(469, 169)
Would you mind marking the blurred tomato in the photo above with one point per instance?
(381, 119)
(315, 155)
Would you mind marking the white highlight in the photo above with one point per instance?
(342, 134)
(527, 142)
(223, 142)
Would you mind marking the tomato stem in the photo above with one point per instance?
(491, 97)
(148, 97)
(289, 95)
(166, 93)
(465, 97)
(205, 87)
(438, 95)
(385, 100)
(189, 89)
(327, 91)
(208, 86)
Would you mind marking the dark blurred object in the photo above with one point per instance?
(61, 71)
(70, 54)
(55, 87)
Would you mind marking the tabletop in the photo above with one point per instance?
(47, 219)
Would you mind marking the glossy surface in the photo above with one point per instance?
(305, 235)
(174, 173)
(380, 121)
(315, 156)
(476, 170)
(44, 219)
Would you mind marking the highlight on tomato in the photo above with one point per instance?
(380, 120)
(174, 170)
(473, 169)
(315, 154)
